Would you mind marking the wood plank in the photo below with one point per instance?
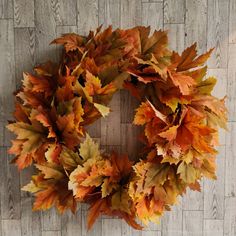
(24, 52)
(214, 190)
(220, 90)
(71, 224)
(51, 233)
(7, 81)
(96, 230)
(196, 24)
(232, 21)
(175, 36)
(128, 106)
(30, 221)
(129, 231)
(152, 14)
(109, 13)
(66, 12)
(23, 13)
(11, 227)
(151, 233)
(64, 29)
(110, 125)
(172, 221)
(6, 9)
(217, 32)
(85, 9)
(10, 188)
(230, 163)
(230, 216)
(193, 200)
(51, 220)
(192, 223)
(111, 227)
(130, 14)
(25, 178)
(213, 227)
(45, 21)
(129, 141)
(174, 11)
(231, 82)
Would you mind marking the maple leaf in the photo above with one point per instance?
(120, 201)
(71, 42)
(50, 171)
(44, 118)
(188, 173)
(69, 124)
(39, 84)
(156, 174)
(21, 113)
(170, 134)
(102, 109)
(47, 69)
(156, 44)
(29, 139)
(53, 152)
(215, 105)
(144, 114)
(89, 149)
(70, 135)
(69, 159)
(184, 82)
(207, 85)
(188, 59)
(50, 189)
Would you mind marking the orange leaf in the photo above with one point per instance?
(71, 42)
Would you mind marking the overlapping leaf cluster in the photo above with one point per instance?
(180, 119)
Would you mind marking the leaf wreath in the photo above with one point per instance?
(179, 116)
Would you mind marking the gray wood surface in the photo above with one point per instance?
(26, 29)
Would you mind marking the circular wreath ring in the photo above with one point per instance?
(180, 120)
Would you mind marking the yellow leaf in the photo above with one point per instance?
(33, 136)
(102, 109)
(31, 187)
(107, 187)
(50, 171)
(206, 86)
(69, 159)
(170, 160)
(89, 149)
(120, 201)
(188, 157)
(188, 173)
(157, 174)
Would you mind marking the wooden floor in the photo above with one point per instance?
(26, 29)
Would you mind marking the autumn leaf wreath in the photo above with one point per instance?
(179, 116)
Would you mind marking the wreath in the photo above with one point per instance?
(179, 116)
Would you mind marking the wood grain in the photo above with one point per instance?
(6, 9)
(213, 227)
(192, 223)
(196, 23)
(217, 32)
(26, 29)
(230, 216)
(174, 11)
(232, 21)
(23, 13)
